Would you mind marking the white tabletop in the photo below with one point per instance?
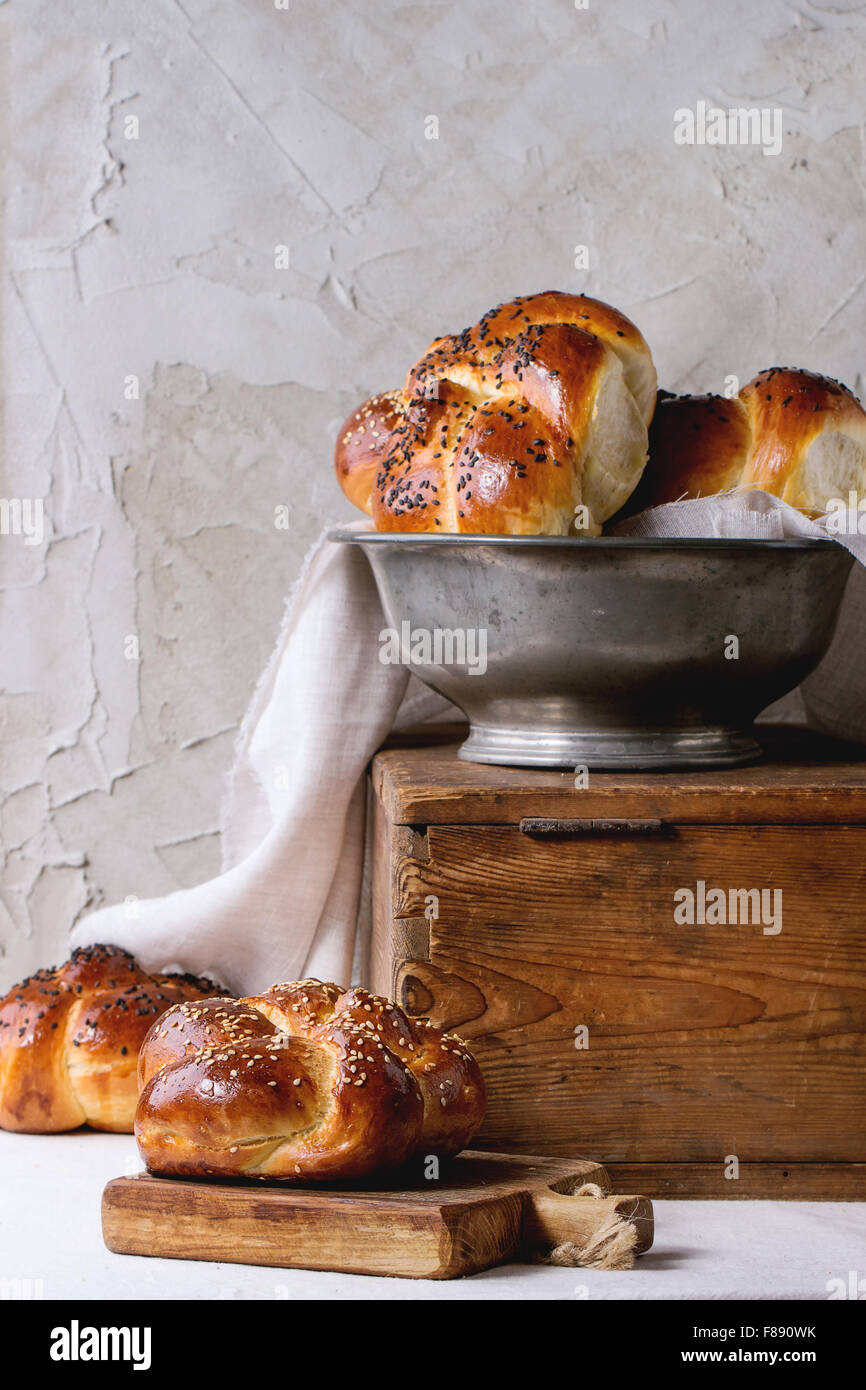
(51, 1245)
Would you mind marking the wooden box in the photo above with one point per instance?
(538, 919)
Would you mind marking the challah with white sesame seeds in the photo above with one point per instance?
(789, 432)
(306, 1082)
(69, 1040)
(532, 422)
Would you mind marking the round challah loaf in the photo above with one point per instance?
(304, 1082)
(532, 422)
(789, 432)
(69, 1040)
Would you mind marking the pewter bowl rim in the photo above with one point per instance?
(657, 543)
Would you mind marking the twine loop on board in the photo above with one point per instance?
(612, 1246)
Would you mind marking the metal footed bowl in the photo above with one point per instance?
(610, 652)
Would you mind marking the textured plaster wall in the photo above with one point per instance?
(154, 257)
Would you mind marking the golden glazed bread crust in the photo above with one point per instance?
(304, 1082)
(364, 440)
(511, 427)
(69, 1040)
(789, 432)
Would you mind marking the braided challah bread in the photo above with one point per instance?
(69, 1040)
(789, 432)
(304, 1082)
(532, 422)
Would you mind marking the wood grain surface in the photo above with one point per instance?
(483, 1209)
(814, 1182)
(806, 778)
(702, 1042)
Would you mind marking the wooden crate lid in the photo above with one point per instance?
(805, 779)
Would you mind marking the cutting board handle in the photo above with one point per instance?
(555, 1218)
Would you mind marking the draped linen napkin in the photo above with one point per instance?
(293, 896)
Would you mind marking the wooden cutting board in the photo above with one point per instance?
(484, 1208)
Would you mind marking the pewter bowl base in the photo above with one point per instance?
(611, 750)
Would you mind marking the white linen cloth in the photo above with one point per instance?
(292, 896)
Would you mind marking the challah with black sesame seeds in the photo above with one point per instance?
(532, 422)
(789, 432)
(305, 1082)
(69, 1040)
